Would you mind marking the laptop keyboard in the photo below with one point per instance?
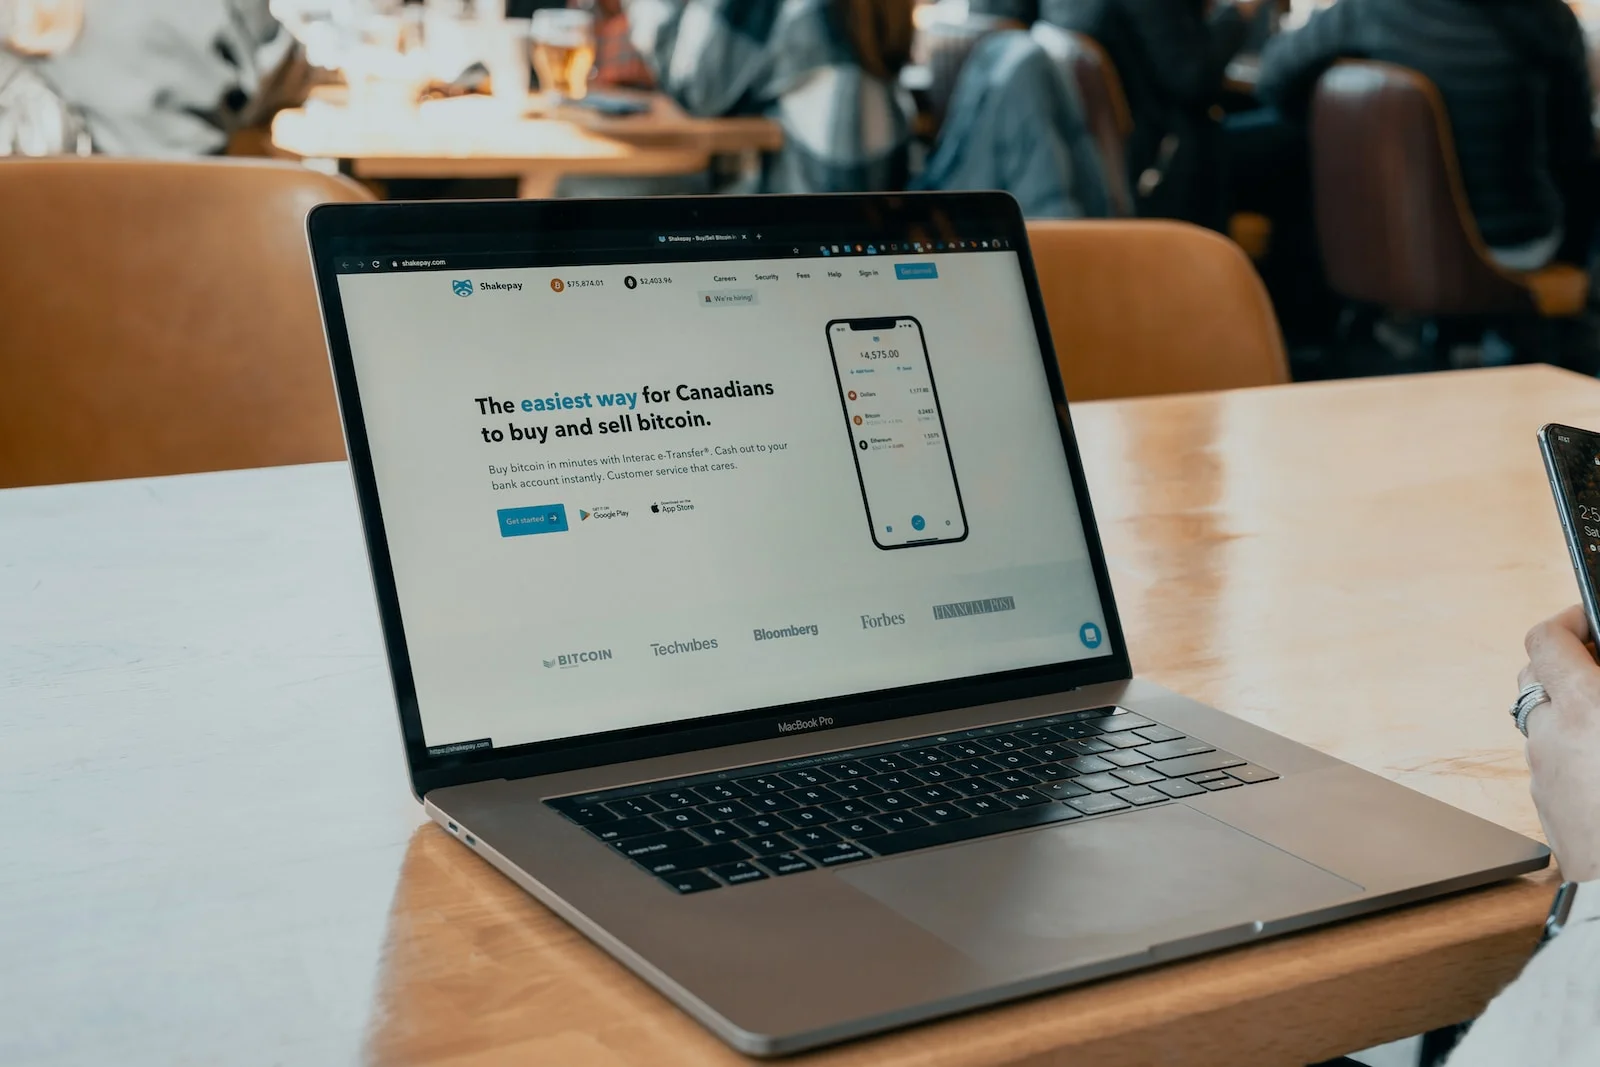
(776, 819)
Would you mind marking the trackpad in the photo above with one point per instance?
(1075, 893)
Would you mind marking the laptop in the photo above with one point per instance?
(744, 604)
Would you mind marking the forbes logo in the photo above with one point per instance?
(461, 287)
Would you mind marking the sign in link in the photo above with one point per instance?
(520, 522)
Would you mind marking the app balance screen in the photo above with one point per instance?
(908, 476)
(624, 495)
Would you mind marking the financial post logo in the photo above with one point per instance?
(568, 660)
(461, 286)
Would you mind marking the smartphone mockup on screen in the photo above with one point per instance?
(1572, 460)
(897, 432)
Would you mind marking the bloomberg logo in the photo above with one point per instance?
(578, 659)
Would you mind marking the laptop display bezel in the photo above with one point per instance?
(341, 232)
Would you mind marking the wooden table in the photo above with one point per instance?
(539, 143)
(208, 853)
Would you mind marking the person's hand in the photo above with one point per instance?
(1564, 741)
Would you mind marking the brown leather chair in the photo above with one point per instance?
(1144, 307)
(1105, 106)
(1392, 216)
(160, 318)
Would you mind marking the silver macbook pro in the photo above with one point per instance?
(745, 605)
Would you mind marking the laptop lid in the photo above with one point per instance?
(648, 476)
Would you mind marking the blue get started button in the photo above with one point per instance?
(1090, 635)
(520, 522)
(910, 271)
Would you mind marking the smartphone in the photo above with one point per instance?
(1572, 461)
(897, 432)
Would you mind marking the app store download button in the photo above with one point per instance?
(909, 271)
(520, 522)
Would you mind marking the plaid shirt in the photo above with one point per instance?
(843, 129)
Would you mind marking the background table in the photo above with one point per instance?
(539, 144)
(208, 853)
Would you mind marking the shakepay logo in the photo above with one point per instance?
(461, 286)
(568, 660)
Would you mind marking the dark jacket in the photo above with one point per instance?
(1015, 123)
(1171, 58)
(1515, 81)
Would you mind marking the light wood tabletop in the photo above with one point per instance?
(209, 854)
(538, 143)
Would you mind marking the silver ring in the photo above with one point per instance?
(1530, 697)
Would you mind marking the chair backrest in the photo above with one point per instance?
(160, 318)
(1139, 308)
(1392, 215)
(1105, 106)
(946, 47)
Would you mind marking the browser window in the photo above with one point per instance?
(639, 493)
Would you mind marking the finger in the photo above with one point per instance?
(1559, 659)
(1526, 677)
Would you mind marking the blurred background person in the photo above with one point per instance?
(1515, 81)
(826, 70)
(1171, 56)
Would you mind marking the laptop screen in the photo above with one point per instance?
(716, 473)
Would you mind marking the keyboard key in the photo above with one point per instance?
(716, 791)
(766, 783)
(1250, 773)
(690, 882)
(1013, 779)
(968, 829)
(974, 767)
(885, 763)
(1115, 723)
(1159, 733)
(1088, 746)
(810, 776)
(808, 817)
(983, 805)
(678, 798)
(1050, 772)
(897, 821)
(783, 863)
(1087, 765)
(717, 831)
(1015, 761)
(632, 806)
(855, 787)
(760, 825)
(1051, 753)
(1139, 775)
(1098, 804)
(925, 757)
(937, 813)
(617, 829)
(1208, 776)
(681, 819)
(1063, 790)
(1100, 783)
(740, 872)
(1024, 798)
(1178, 787)
(969, 749)
(728, 809)
(931, 794)
(848, 769)
(833, 855)
(1140, 795)
(769, 802)
(1041, 736)
(1077, 729)
(1205, 761)
(856, 828)
(1123, 740)
(1181, 746)
(690, 859)
(894, 781)
(849, 809)
(812, 836)
(970, 787)
(935, 775)
(1224, 783)
(1127, 758)
(1006, 743)
(665, 841)
(772, 844)
(584, 814)
(810, 797)
(893, 802)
